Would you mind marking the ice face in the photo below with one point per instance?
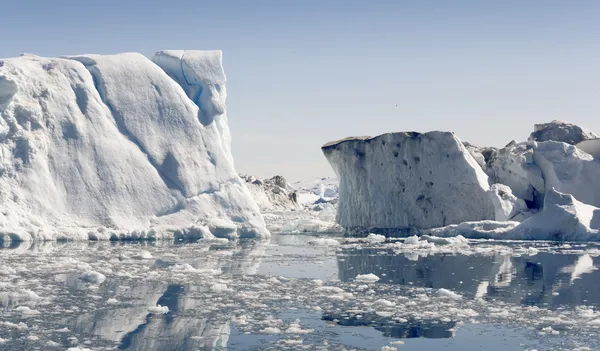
(407, 180)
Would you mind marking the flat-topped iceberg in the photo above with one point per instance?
(118, 147)
(412, 180)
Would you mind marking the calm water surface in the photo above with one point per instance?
(297, 293)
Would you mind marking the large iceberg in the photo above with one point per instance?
(412, 180)
(119, 147)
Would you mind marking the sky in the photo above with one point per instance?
(302, 73)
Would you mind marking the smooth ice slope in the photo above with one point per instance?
(112, 147)
(408, 180)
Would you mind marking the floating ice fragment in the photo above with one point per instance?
(383, 303)
(158, 309)
(449, 294)
(270, 331)
(375, 238)
(220, 287)
(324, 242)
(366, 278)
(93, 277)
(412, 240)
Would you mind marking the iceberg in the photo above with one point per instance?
(399, 181)
(119, 147)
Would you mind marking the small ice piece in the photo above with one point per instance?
(2, 341)
(388, 348)
(412, 240)
(158, 309)
(449, 294)
(324, 242)
(296, 328)
(93, 277)
(26, 311)
(112, 301)
(375, 238)
(142, 255)
(270, 331)
(548, 330)
(220, 287)
(366, 278)
(383, 303)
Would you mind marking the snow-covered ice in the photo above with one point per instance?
(116, 147)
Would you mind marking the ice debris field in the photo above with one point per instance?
(123, 225)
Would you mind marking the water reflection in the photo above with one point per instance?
(396, 329)
(122, 317)
(544, 279)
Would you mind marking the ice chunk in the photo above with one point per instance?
(324, 242)
(367, 278)
(93, 277)
(407, 180)
(158, 309)
(448, 294)
(561, 131)
(506, 205)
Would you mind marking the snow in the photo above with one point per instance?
(382, 178)
(112, 147)
(561, 131)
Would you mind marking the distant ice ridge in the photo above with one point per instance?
(119, 147)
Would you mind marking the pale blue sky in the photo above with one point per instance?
(301, 73)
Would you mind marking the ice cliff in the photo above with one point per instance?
(119, 147)
(411, 180)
